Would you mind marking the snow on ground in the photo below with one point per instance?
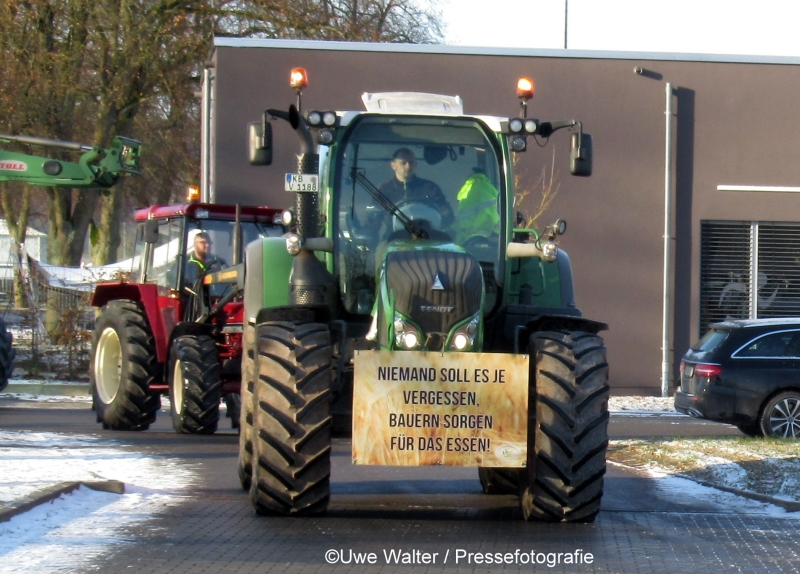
(73, 532)
(678, 488)
(642, 405)
(698, 496)
(632, 406)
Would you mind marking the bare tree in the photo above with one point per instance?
(533, 201)
(94, 69)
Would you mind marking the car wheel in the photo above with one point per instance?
(781, 416)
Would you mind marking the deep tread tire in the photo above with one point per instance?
(7, 354)
(194, 385)
(780, 417)
(245, 463)
(499, 480)
(122, 368)
(292, 419)
(568, 436)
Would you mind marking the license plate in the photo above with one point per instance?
(301, 182)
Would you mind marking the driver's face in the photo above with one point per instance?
(404, 167)
(201, 247)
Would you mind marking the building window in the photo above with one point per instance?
(748, 269)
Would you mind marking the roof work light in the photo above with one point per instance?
(525, 89)
(298, 79)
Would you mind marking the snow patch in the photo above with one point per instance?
(70, 533)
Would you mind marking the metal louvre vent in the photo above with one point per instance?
(778, 269)
(748, 270)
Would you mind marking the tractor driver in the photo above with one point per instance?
(201, 259)
(407, 186)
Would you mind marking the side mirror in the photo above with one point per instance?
(259, 143)
(580, 155)
(151, 231)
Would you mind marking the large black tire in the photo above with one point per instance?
(7, 354)
(499, 480)
(780, 416)
(292, 419)
(194, 385)
(567, 434)
(123, 367)
(245, 464)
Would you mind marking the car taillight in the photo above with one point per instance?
(707, 370)
(683, 366)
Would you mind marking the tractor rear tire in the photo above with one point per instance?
(194, 385)
(567, 429)
(292, 419)
(245, 463)
(7, 354)
(499, 480)
(123, 367)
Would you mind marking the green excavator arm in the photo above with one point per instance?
(97, 167)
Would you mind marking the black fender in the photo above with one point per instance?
(572, 323)
(295, 313)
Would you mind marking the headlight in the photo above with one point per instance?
(464, 337)
(518, 143)
(314, 118)
(325, 137)
(549, 251)
(406, 335)
(293, 243)
(515, 125)
(329, 119)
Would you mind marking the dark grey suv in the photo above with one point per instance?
(745, 372)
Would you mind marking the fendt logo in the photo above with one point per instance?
(13, 166)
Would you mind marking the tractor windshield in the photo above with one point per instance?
(442, 173)
(175, 248)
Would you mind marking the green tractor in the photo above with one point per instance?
(96, 168)
(421, 309)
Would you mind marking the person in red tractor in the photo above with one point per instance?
(201, 260)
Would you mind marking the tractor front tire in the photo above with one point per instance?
(292, 419)
(122, 368)
(567, 430)
(245, 463)
(7, 354)
(194, 385)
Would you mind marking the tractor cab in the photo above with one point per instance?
(443, 174)
(167, 237)
(165, 275)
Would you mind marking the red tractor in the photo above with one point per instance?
(165, 330)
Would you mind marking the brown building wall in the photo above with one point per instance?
(736, 123)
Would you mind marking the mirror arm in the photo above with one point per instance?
(547, 128)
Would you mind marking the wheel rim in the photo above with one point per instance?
(108, 365)
(784, 420)
(177, 388)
